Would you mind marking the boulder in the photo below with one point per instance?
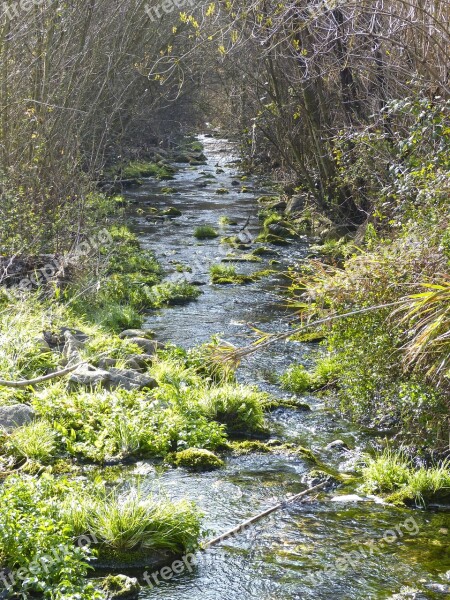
(137, 333)
(296, 204)
(149, 346)
(73, 345)
(279, 230)
(88, 376)
(12, 417)
(130, 380)
(141, 361)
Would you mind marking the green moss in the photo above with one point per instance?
(250, 447)
(172, 212)
(197, 459)
(392, 473)
(222, 191)
(119, 587)
(137, 169)
(204, 232)
(221, 274)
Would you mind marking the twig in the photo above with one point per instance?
(243, 526)
(26, 383)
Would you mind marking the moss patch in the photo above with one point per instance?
(196, 459)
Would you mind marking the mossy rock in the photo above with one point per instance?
(250, 447)
(263, 251)
(270, 238)
(222, 191)
(121, 587)
(197, 459)
(292, 403)
(172, 212)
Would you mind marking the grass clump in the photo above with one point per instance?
(298, 380)
(132, 521)
(227, 274)
(173, 293)
(239, 407)
(35, 442)
(197, 459)
(392, 473)
(204, 232)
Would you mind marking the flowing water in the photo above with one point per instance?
(322, 548)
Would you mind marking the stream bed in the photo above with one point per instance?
(296, 553)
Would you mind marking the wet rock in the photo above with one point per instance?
(172, 212)
(349, 498)
(121, 587)
(88, 376)
(12, 417)
(279, 230)
(279, 206)
(137, 333)
(130, 380)
(235, 183)
(316, 477)
(203, 184)
(337, 445)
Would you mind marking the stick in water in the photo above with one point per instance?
(249, 522)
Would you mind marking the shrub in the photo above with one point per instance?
(34, 538)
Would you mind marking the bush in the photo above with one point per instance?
(34, 538)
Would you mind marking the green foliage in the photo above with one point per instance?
(35, 442)
(393, 473)
(197, 459)
(34, 537)
(297, 380)
(171, 293)
(238, 407)
(132, 520)
(204, 232)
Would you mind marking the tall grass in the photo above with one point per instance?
(34, 442)
(133, 520)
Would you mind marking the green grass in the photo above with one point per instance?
(239, 407)
(133, 520)
(227, 274)
(34, 442)
(394, 474)
(204, 232)
(171, 293)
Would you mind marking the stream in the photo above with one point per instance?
(295, 553)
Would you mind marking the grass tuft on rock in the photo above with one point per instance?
(204, 232)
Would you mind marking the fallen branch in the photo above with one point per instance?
(232, 354)
(26, 383)
(243, 526)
